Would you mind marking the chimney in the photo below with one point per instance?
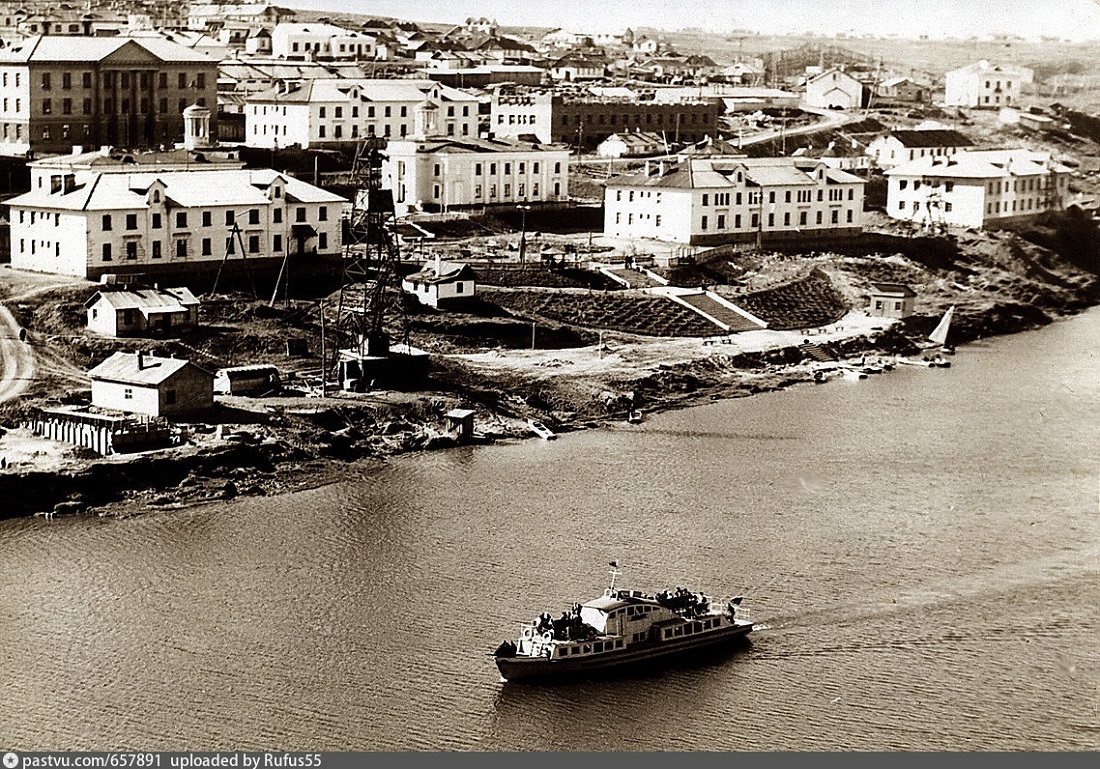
(647, 170)
(438, 265)
(140, 359)
(78, 149)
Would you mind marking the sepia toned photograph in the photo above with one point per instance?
(714, 376)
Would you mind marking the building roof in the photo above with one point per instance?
(318, 28)
(118, 160)
(147, 300)
(447, 272)
(893, 289)
(638, 138)
(61, 48)
(186, 189)
(123, 367)
(986, 67)
(940, 137)
(363, 89)
(471, 145)
(706, 173)
(982, 164)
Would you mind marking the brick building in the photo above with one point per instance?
(583, 119)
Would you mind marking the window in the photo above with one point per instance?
(277, 215)
(156, 249)
(322, 214)
(45, 81)
(47, 107)
(86, 80)
(131, 249)
(253, 244)
(106, 252)
(229, 217)
(322, 241)
(277, 243)
(300, 214)
(131, 221)
(128, 392)
(169, 397)
(182, 80)
(66, 106)
(207, 247)
(156, 221)
(181, 218)
(106, 222)
(230, 246)
(253, 216)
(162, 81)
(706, 198)
(181, 247)
(704, 223)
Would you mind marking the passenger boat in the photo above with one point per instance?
(619, 629)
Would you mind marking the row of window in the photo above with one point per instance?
(133, 248)
(754, 222)
(387, 111)
(676, 118)
(344, 47)
(109, 106)
(1029, 204)
(947, 186)
(338, 130)
(521, 168)
(109, 80)
(207, 218)
(690, 629)
(598, 646)
(931, 205)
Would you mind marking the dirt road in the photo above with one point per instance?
(16, 358)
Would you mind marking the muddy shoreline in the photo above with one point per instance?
(275, 460)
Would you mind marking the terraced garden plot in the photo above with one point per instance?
(646, 315)
(812, 301)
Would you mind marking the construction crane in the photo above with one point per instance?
(370, 288)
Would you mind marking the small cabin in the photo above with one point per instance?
(442, 283)
(142, 383)
(891, 300)
(154, 311)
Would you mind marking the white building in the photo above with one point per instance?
(984, 84)
(899, 147)
(976, 189)
(723, 200)
(171, 222)
(833, 89)
(432, 173)
(320, 41)
(319, 112)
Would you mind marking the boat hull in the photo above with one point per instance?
(543, 669)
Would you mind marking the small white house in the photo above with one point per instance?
(833, 89)
(985, 84)
(632, 144)
(142, 311)
(891, 300)
(442, 283)
(141, 383)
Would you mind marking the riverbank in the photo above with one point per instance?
(283, 446)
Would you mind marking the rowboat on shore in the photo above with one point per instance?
(541, 430)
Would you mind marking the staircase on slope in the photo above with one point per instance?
(630, 278)
(728, 319)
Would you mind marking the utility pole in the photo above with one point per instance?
(324, 350)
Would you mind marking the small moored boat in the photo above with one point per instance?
(620, 629)
(541, 430)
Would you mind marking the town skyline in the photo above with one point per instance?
(1077, 20)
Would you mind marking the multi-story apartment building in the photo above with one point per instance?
(320, 42)
(433, 172)
(986, 85)
(177, 222)
(57, 92)
(584, 119)
(977, 189)
(319, 112)
(728, 200)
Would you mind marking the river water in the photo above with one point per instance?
(921, 548)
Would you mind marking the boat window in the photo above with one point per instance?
(695, 628)
(668, 633)
(630, 611)
(587, 648)
(678, 631)
(619, 644)
(599, 646)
